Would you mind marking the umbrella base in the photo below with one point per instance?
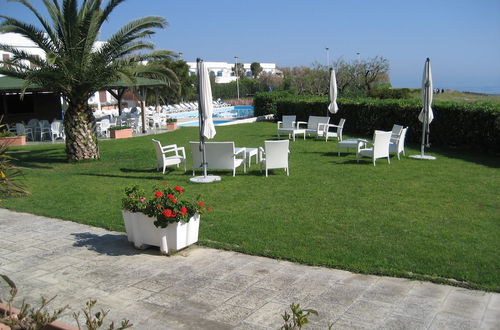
(205, 179)
(426, 157)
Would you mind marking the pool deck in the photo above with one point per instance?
(202, 288)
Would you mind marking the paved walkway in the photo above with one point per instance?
(202, 288)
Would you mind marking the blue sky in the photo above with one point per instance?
(462, 37)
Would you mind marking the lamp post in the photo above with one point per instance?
(237, 76)
(327, 56)
(358, 55)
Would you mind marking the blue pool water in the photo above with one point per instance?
(238, 111)
(196, 122)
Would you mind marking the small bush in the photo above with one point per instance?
(390, 93)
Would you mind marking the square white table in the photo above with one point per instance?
(350, 143)
(293, 132)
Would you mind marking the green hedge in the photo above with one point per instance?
(463, 125)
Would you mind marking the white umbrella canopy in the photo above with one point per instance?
(205, 103)
(207, 128)
(333, 107)
(426, 115)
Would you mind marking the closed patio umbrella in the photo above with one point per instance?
(207, 128)
(426, 115)
(333, 107)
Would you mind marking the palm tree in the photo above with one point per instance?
(76, 66)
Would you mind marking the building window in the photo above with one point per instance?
(219, 73)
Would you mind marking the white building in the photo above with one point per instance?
(100, 98)
(223, 71)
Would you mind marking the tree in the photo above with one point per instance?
(75, 65)
(256, 69)
(240, 72)
(374, 72)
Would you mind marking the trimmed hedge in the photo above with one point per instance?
(463, 125)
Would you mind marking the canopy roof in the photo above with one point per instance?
(14, 85)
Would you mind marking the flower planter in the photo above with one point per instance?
(121, 133)
(176, 236)
(13, 140)
(171, 126)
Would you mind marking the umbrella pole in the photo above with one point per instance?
(424, 123)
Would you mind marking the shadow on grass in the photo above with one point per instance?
(134, 170)
(109, 244)
(468, 156)
(33, 158)
(121, 176)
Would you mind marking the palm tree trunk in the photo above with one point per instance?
(81, 138)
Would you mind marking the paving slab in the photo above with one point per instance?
(202, 288)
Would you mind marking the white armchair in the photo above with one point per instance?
(396, 132)
(286, 125)
(324, 130)
(22, 130)
(56, 130)
(218, 155)
(380, 148)
(163, 160)
(398, 146)
(274, 155)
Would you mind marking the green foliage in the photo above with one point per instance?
(31, 318)
(7, 134)
(117, 128)
(298, 319)
(134, 199)
(226, 91)
(464, 125)
(256, 69)
(390, 93)
(9, 173)
(171, 120)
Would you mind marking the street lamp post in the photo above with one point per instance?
(237, 76)
(358, 55)
(327, 56)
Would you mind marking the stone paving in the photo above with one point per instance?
(201, 288)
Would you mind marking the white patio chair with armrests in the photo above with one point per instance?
(274, 155)
(398, 146)
(396, 132)
(380, 148)
(103, 127)
(313, 124)
(218, 155)
(57, 130)
(178, 155)
(324, 130)
(22, 130)
(286, 125)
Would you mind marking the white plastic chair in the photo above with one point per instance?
(399, 146)
(22, 130)
(274, 155)
(380, 148)
(34, 125)
(57, 130)
(286, 125)
(178, 155)
(44, 128)
(218, 155)
(103, 127)
(324, 130)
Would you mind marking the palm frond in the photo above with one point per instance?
(27, 30)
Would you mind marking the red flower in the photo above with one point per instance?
(183, 211)
(174, 214)
(179, 189)
(170, 196)
(158, 194)
(209, 208)
(174, 200)
(167, 213)
(201, 204)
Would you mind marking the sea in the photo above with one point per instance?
(490, 90)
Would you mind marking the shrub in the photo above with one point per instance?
(464, 125)
(390, 93)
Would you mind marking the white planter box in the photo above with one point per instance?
(143, 233)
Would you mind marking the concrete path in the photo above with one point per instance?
(202, 288)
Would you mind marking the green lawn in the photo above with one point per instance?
(436, 220)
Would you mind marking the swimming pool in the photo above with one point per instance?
(196, 122)
(238, 111)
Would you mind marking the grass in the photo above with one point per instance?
(435, 220)
(456, 96)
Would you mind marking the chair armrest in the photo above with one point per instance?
(301, 122)
(238, 151)
(261, 152)
(279, 123)
(183, 151)
(333, 125)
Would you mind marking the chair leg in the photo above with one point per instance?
(266, 172)
(287, 172)
(388, 159)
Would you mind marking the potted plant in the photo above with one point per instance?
(171, 124)
(164, 218)
(10, 139)
(120, 132)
